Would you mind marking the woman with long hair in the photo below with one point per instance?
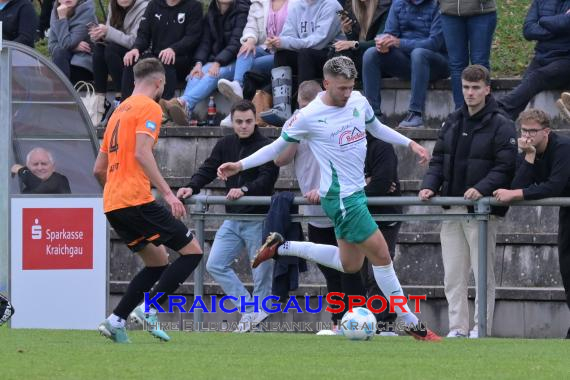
(68, 42)
(112, 41)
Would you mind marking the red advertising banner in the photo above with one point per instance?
(57, 238)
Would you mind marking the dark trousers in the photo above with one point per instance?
(372, 289)
(347, 283)
(108, 60)
(564, 249)
(62, 59)
(174, 73)
(47, 7)
(539, 76)
(306, 64)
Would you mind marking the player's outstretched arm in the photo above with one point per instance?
(144, 156)
(263, 155)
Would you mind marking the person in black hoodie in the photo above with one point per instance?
(19, 21)
(235, 235)
(543, 171)
(474, 155)
(215, 57)
(169, 30)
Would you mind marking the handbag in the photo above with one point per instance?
(89, 100)
(263, 101)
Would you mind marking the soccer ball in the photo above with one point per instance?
(358, 324)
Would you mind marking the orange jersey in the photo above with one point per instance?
(127, 185)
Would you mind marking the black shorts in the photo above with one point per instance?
(149, 223)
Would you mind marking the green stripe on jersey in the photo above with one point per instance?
(288, 139)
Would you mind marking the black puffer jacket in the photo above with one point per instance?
(489, 160)
(163, 26)
(221, 33)
(259, 180)
(19, 22)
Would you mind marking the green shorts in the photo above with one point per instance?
(351, 218)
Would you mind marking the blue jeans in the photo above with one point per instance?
(467, 39)
(232, 237)
(262, 62)
(198, 89)
(421, 66)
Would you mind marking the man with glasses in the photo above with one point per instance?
(474, 155)
(543, 171)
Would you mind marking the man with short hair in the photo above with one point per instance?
(127, 168)
(39, 175)
(474, 155)
(335, 125)
(235, 235)
(543, 171)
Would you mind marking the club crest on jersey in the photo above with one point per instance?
(355, 113)
(151, 125)
(351, 136)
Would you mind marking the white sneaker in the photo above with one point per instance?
(387, 333)
(258, 317)
(227, 121)
(231, 90)
(456, 334)
(335, 331)
(244, 324)
(474, 334)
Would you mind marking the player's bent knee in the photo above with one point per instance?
(192, 248)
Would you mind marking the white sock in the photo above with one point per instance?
(390, 285)
(116, 321)
(327, 255)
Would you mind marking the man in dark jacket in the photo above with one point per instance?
(547, 22)
(235, 235)
(39, 175)
(170, 30)
(543, 171)
(412, 47)
(474, 155)
(19, 21)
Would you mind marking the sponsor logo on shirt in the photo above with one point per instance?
(181, 18)
(351, 136)
(151, 125)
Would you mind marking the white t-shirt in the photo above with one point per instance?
(337, 138)
(308, 175)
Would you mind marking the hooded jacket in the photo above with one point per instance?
(476, 151)
(417, 24)
(376, 26)
(221, 37)
(19, 22)
(177, 27)
(127, 35)
(67, 33)
(311, 24)
(259, 180)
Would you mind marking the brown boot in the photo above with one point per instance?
(176, 111)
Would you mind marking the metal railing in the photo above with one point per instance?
(482, 210)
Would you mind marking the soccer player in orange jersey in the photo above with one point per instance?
(127, 168)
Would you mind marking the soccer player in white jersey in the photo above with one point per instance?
(335, 125)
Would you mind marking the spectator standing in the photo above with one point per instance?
(474, 155)
(468, 28)
(543, 171)
(235, 235)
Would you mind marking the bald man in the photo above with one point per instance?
(39, 175)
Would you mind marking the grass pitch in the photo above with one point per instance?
(57, 354)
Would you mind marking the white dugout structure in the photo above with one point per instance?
(53, 248)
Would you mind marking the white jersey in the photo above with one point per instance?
(337, 138)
